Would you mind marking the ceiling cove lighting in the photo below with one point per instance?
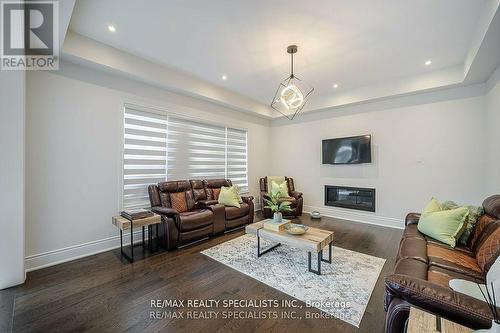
(428, 63)
(111, 28)
(292, 93)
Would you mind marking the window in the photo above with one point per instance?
(168, 147)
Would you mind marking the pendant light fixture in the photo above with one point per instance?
(292, 93)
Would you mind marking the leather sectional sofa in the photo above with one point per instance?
(190, 211)
(294, 197)
(425, 266)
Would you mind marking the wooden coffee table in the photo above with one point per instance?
(314, 240)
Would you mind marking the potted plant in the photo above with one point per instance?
(277, 207)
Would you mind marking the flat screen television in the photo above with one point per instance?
(351, 150)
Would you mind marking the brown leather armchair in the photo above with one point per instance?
(294, 197)
(183, 221)
(425, 266)
(233, 217)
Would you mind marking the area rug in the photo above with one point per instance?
(342, 291)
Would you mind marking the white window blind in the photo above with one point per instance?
(237, 169)
(195, 150)
(144, 155)
(167, 147)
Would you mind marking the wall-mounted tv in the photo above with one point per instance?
(351, 150)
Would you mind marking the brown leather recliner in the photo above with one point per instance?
(183, 221)
(234, 217)
(294, 197)
(190, 210)
(424, 267)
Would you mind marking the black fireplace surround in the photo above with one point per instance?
(350, 197)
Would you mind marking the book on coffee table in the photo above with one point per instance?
(272, 225)
(135, 214)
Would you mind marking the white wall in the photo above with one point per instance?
(74, 163)
(423, 146)
(12, 140)
(493, 142)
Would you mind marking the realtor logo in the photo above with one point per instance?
(30, 35)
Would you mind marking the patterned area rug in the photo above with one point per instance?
(343, 290)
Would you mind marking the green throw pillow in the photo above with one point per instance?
(282, 189)
(229, 196)
(444, 225)
(277, 179)
(432, 207)
(475, 213)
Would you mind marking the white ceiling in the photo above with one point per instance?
(352, 43)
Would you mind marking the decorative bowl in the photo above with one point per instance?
(315, 215)
(296, 229)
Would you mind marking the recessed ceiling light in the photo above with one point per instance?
(335, 86)
(111, 28)
(224, 77)
(428, 62)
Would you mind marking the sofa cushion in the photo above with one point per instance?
(453, 260)
(459, 247)
(234, 212)
(198, 190)
(293, 201)
(412, 267)
(240, 221)
(178, 201)
(442, 276)
(489, 250)
(212, 187)
(413, 248)
(480, 230)
(213, 193)
(195, 219)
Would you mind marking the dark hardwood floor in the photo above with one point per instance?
(104, 293)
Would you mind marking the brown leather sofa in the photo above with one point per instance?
(234, 217)
(190, 211)
(295, 197)
(425, 266)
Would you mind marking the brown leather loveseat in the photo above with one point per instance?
(294, 197)
(190, 211)
(425, 266)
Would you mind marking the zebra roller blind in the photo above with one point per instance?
(168, 147)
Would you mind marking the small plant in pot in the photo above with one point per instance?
(277, 207)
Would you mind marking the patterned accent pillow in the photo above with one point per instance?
(489, 250)
(474, 215)
(178, 201)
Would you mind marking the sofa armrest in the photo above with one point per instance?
(296, 194)
(206, 203)
(412, 218)
(247, 199)
(169, 212)
(219, 220)
(443, 301)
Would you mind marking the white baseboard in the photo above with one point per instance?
(348, 214)
(73, 252)
(54, 257)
